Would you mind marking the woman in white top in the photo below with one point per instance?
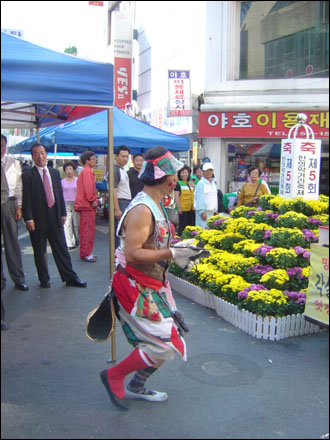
(71, 225)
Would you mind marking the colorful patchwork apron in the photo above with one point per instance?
(144, 295)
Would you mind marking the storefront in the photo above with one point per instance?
(236, 140)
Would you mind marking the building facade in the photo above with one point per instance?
(265, 62)
(253, 67)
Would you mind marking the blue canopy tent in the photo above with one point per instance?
(91, 133)
(41, 87)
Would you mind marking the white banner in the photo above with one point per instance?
(158, 118)
(179, 93)
(300, 168)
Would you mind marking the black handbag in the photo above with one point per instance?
(100, 322)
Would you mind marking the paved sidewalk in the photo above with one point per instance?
(232, 386)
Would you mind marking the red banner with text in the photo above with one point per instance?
(260, 124)
(122, 50)
(123, 88)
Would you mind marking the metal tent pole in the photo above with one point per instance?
(111, 216)
(55, 152)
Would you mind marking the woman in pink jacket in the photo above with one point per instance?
(86, 203)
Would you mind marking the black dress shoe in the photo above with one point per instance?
(21, 286)
(119, 403)
(76, 283)
(45, 284)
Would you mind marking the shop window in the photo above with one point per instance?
(242, 156)
(287, 39)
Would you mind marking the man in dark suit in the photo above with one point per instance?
(44, 214)
(4, 199)
(11, 212)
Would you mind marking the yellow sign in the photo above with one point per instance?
(99, 175)
(317, 300)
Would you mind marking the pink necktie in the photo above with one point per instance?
(48, 189)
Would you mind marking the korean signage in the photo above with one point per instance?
(260, 124)
(179, 94)
(99, 174)
(158, 118)
(15, 32)
(317, 300)
(300, 168)
(123, 32)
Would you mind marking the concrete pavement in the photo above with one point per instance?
(232, 386)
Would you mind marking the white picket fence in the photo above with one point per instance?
(255, 325)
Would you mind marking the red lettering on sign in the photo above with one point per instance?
(318, 305)
(308, 146)
(250, 124)
(287, 147)
(325, 263)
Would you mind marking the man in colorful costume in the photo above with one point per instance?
(143, 294)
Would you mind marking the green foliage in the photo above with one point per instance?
(292, 219)
(72, 50)
(286, 238)
(277, 236)
(276, 310)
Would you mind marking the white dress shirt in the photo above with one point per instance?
(13, 173)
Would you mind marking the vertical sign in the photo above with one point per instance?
(309, 163)
(300, 168)
(317, 299)
(195, 153)
(123, 33)
(179, 94)
(286, 177)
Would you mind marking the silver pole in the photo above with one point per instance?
(111, 215)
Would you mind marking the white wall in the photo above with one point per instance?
(216, 150)
(171, 36)
(223, 90)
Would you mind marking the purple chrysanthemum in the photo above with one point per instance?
(299, 250)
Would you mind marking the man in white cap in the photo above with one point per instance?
(206, 196)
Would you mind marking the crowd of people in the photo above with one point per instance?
(36, 195)
(144, 304)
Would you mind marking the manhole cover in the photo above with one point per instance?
(218, 368)
(221, 369)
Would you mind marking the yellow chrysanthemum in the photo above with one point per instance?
(306, 271)
(268, 296)
(279, 275)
